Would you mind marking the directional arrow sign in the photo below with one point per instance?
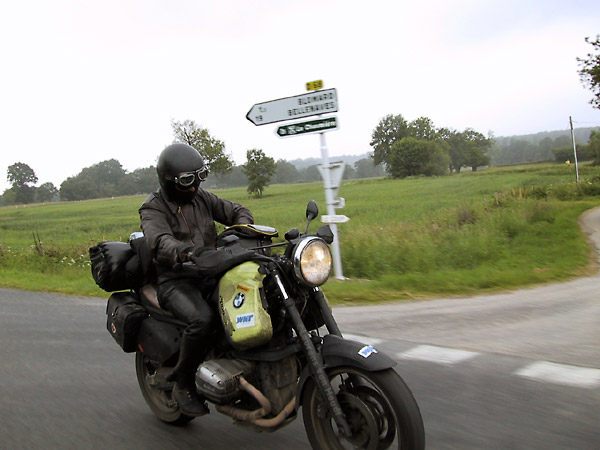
(312, 126)
(334, 218)
(289, 108)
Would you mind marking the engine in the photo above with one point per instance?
(218, 379)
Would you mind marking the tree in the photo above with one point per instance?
(46, 192)
(9, 197)
(594, 146)
(411, 156)
(310, 173)
(455, 148)
(590, 71)
(145, 180)
(106, 175)
(365, 168)
(476, 146)
(389, 130)
(211, 149)
(259, 169)
(78, 188)
(422, 128)
(21, 176)
(234, 178)
(349, 172)
(286, 172)
(105, 179)
(392, 129)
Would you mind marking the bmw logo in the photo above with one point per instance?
(239, 299)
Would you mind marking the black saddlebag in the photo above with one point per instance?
(159, 340)
(124, 317)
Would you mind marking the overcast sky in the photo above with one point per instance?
(82, 82)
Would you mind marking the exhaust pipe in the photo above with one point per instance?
(256, 417)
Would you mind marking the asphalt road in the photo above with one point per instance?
(517, 370)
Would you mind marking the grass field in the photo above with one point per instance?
(413, 238)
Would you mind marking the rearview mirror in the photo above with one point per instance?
(312, 210)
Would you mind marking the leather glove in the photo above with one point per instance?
(183, 254)
(212, 263)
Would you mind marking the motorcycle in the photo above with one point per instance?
(278, 350)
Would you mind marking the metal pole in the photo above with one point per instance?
(574, 149)
(337, 259)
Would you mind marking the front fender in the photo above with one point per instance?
(339, 352)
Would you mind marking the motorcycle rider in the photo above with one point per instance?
(177, 221)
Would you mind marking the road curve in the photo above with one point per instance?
(558, 322)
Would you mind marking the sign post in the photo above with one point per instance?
(330, 191)
(312, 104)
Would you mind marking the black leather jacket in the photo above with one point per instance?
(171, 228)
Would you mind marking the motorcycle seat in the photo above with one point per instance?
(149, 299)
(149, 293)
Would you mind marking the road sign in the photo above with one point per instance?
(314, 85)
(289, 108)
(313, 126)
(336, 172)
(334, 218)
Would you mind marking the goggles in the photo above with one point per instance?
(186, 179)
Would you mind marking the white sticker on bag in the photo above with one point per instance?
(244, 320)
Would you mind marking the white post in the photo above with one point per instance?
(337, 259)
(574, 149)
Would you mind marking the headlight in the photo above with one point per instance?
(312, 261)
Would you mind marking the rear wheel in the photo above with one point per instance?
(379, 407)
(156, 392)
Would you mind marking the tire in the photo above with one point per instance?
(159, 400)
(379, 407)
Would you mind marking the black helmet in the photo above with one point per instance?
(180, 167)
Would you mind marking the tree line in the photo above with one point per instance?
(400, 149)
(109, 178)
(547, 146)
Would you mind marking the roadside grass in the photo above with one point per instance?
(414, 238)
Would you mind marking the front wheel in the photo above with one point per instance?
(156, 393)
(379, 407)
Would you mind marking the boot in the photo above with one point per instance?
(190, 403)
(191, 354)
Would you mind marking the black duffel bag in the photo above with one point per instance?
(124, 317)
(118, 266)
(109, 260)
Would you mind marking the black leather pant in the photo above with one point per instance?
(183, 297)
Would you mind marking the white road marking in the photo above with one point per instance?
(363, 339)
(543, 371)
(440, 355)
(561, 374)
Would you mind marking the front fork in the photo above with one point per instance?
(330, 322)
(314, 361)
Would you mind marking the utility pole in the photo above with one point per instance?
(574, 149)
